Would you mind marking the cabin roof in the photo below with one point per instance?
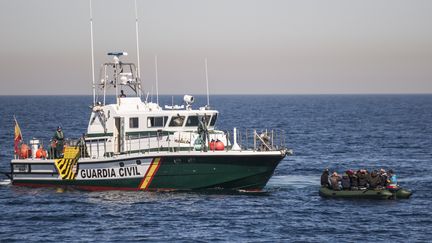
(134, 106)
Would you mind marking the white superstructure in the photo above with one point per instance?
(131, 125)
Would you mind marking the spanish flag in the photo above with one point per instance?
(18, 137)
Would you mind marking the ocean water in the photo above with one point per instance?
(339, 132)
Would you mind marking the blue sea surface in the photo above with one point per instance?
(336, 131)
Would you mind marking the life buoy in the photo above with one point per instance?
(212, 144)
(219, 145)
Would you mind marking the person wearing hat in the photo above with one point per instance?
(325, 178)
(58, 138)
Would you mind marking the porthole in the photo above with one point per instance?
(121, 164)
(138, 162)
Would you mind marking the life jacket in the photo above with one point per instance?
(59, 135)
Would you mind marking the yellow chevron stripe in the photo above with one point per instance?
(70, 174)
(150, 173)
(65, 166)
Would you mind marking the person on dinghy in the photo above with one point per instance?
(363, 178)
(383, 178)
(374, 180)
(392, 180)
(335, 179)
(353, 179)
(346, 182)
(325, 178)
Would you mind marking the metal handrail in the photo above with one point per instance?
(248, 140)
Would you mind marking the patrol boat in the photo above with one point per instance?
(133, 144)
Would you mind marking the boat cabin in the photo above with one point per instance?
(132, 125)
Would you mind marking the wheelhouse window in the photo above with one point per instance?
(157, 121)
(177, 121)
(133, 122)
(207, 119)
(213, 120)
(192, 121)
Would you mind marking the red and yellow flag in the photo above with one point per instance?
(17, 137)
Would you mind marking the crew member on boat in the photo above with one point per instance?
(58, 139)
(203, 133)
(265, 138)
(81, 144)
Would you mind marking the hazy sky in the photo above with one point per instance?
(253, 46)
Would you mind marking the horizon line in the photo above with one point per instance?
(221, 94)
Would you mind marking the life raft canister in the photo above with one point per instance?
(25, 151)
(219, 145)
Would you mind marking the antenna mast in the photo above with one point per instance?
(206, 73)
(137, 46)
(92, 54)
(157, 80)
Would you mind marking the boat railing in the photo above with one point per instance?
(237, 140)
(44, 150)
(249, 140)
(261, 139)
